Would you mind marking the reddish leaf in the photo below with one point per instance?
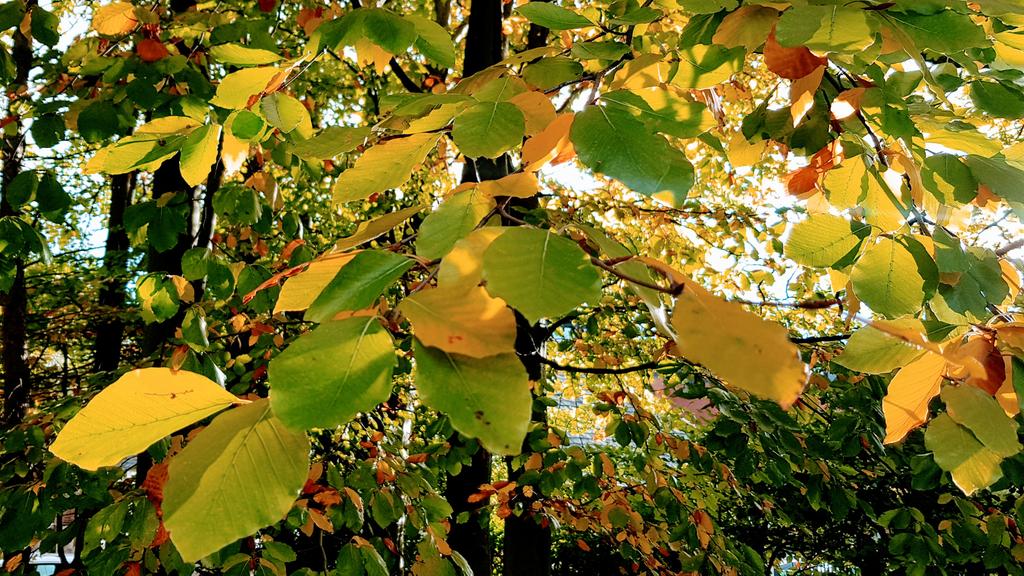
(802, 181)
(151, 50)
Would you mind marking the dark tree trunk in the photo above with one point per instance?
(167, 179)
(485, 46)
(16, 378)
(112, 296)
(527, 545)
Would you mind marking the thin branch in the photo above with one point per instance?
(674, 289)
(819, 339)
(654, 364)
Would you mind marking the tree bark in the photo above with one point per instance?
(112, 296)
(16, 378)
(485, 46)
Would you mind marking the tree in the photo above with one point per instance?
(691, 286)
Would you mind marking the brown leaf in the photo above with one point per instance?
(802, 181)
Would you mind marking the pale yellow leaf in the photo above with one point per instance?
(801, 94)
(463, 265)
(138, 409)
(115, 19)
(518, 185)
(906, 403)
(463, 321)
(301, 290)
(738, 346)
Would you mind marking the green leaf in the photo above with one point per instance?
(874, 352)
(486, 398)
(358, 284)
(52, 199)
(610, 141)
(241, 473)
(886, 278)
(96, 123)
(823, 240)
(237, 89)
(352, 360)
(286, 113)
(158, 298)
(331, 142)
(972, 465)
(540, 274)
(388, 30)
(22, 189)
(489, 129)
(239, 55)
(663, 112)
(946, 32)
(1001, 178)
(979, 412)
(386, 165)
(599, 50)
(245, 125)
(825, 29)
(434, 42)
(45, 26)
(198, 154)
(138, 409)
(947, 178)
(997, 99)
(547, 73)
(453, 220)
(552, 17)
(702, 67)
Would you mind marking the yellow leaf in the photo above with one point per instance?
(551, 145)
(740, 347)
(301, 290)
(537, 109)
(801, 94)
(238, 89)
(906, 403)
(168, 125)
(198, 154)
(463, 266)
(518, 185)
(468, 322)
(140, 408)
(114, 19)
(1006, 395)
(743, 153)
(370, 229)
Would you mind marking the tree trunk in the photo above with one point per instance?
(485, 46)
(16, 382)
(112, 296)
(527, 543)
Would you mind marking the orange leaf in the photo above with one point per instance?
(802, 181)
(906, 404)
(790, 63)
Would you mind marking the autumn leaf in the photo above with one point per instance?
(906, 403)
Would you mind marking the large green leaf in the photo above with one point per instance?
(331, 142)
(486, 398)
(238, 475)
(489, 129)
(886, 278)
(823, 239)
(452, 220)
(972, 465)
(874, 352)
(996, 99)
(328, 375)
(946, 32)
(610, 141)
(138, 409)
(825, 29)
(553, 17)
(539, 273)
(384, 166)
(358, 284)
(434, 42)
(979, 412)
